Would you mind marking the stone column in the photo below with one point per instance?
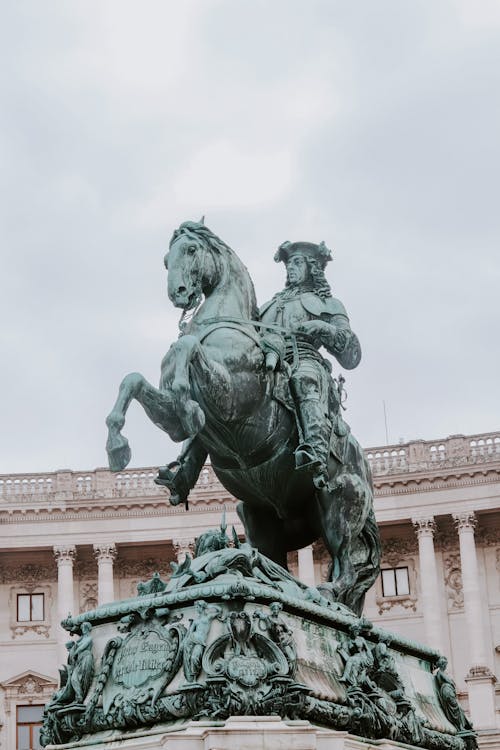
(105, 554)
(306, 566)
(65, 556)
(480, 680)
(182, 547)
(431, 607)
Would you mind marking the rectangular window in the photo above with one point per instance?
(395, 582)
(30, 607)
(28, 724)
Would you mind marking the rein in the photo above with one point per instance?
(240, 324)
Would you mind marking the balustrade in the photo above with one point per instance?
(68, 486)
(423, 455)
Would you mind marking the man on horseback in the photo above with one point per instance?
(308, 317)
(219, 391)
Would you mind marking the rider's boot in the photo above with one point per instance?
(181, 475)
(312, 454)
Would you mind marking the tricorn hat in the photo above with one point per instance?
(317, 252)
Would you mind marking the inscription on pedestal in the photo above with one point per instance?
(144, 657)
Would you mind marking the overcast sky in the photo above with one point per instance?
(371, 125)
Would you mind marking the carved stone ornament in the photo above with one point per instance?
(30, 575)
(465, 521)
(395, 550)
(88, 596)
(28, 687)
(105, 552)
(182, 547)
(488, 537)
(65, 554)
(453, 579)
(424, 526)
(232, 633)
(141, 569)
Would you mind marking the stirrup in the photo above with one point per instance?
(306, 458)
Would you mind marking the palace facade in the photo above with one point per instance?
(72, 540)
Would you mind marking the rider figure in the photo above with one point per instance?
(311, 318)
(307, 317)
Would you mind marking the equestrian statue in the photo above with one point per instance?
(251, 390)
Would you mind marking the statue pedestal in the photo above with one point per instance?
(234, 639)
(236, 733)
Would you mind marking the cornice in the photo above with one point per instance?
(214, 506)
(405, 484)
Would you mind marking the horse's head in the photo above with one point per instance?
(199, 263)
(191, 264)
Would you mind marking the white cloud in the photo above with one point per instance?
(373, 126)
(227, 175)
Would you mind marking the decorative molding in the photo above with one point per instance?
(182, 547)
(28, 575)
(32, 628)
(446, 541)
(88, 596)
(465, 521)
(488, 537)
(423, 483)
(85, 569)
(65, 554)
(480, 672)
(212, 505)
(453, 580)
(394, 550)
(28, 687)
(105, 552)
(142, 569)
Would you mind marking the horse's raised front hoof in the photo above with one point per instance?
(193, 418)
(119, 453)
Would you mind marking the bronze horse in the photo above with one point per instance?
(214, 389)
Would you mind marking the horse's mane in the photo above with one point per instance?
(238, 270)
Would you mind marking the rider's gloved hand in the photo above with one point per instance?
(175, 481)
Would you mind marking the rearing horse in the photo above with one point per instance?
(214, 389)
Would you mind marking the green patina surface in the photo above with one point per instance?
(252, 390)
(232, 633)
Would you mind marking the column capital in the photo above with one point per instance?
(183, 546)
(424, 526)
(465, 521)
(65, 554)
(105, 551)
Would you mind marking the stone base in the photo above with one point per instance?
(230, 635)
(236, 733)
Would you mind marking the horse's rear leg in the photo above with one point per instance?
(157, 404)
(343, 510)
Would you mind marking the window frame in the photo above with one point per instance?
(397, 594)
(30, 724)
(32, 628)
(30, 595)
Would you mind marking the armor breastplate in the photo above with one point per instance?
(288, 313)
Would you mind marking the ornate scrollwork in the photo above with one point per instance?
(233, 633)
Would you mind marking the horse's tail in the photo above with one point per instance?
(367, 552)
